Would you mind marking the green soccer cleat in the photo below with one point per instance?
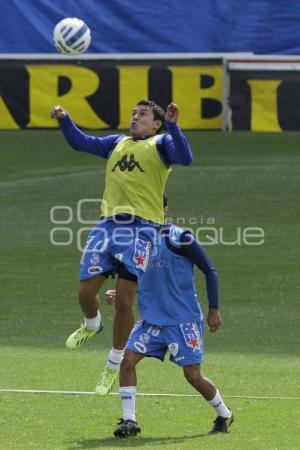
(221, 424)
(106, 382)
(78, 338)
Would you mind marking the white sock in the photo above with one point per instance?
(127, 395)
(114, 359)
(219, 405)
(94, 323)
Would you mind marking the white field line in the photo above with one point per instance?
(141, 394)
(48, 178)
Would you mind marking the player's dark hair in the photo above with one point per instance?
(158, 111)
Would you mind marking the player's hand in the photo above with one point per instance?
(57, 112)
(172, 113)
(110, 296)
(213, 319)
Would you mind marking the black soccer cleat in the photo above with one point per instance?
(221, 424)
(127, 428)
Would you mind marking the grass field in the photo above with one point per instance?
(239, 180)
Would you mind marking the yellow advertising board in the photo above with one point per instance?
(101, 94)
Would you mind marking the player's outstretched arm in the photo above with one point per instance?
(100, 146)
(174, 146)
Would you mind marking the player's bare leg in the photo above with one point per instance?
(88, 295)
(203, 385)
(124, 315)
(207, 389)
(127, 370)
(89, 302)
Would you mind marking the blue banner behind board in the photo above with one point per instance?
(143, 26)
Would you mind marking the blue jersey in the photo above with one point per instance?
(167, 293)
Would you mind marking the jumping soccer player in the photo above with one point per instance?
(172, 319)
(136, 173)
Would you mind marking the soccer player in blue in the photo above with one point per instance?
(137, 170)
(172, 320)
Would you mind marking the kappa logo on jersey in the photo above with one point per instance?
(140, 347)
(125, 164)
(141, 253)
(191, 335)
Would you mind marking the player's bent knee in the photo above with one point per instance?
(129, 361)
(84, 294)
(192, 374)
(126, 365)
(88, 289)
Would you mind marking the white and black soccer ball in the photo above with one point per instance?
(71, 36)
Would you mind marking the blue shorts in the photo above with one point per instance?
(110, 242)
(184, 342)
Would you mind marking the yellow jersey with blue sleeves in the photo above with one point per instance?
(135, 180)
(137, 169)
